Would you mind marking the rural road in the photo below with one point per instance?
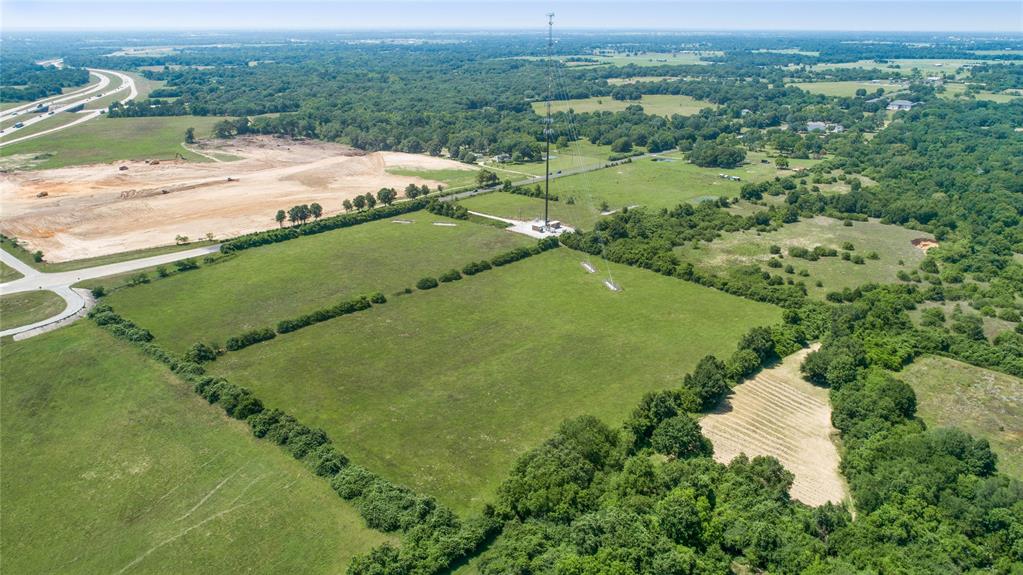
(63, 103)
(60, 282)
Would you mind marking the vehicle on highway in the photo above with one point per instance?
(20, 125)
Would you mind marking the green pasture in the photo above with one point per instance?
(451, 179)
(663, 183)
(653, 104)
(892, 243)
(956, 90)
(574, 156)
(906, 67)
(442, 390)
(23, 308)
(848, 89)
(261, 286)
(985, 403)
(112, 465)
(635, 79)
(110, 139)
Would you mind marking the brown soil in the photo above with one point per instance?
(924, 243)
(780, 414)
(85, 211)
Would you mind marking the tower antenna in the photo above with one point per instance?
(547, 129)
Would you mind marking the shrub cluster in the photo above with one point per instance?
(326, 224)
(813, 255)
(427, 283)
(449, 209)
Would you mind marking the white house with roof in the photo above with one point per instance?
(901, 105)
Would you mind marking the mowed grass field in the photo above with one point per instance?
(653, 104)
(264, 285)
(576, 155)
(7, 273)
(848, 89)
(653, 182)
(111, 465)
(892, 243)
(926, 66)
(110, 139)
(23, 308)
(453, 179)
(442, 390)
(982, 402)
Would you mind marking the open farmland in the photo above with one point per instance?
(258, 287)
(100, 209)
(576, 155)
(654, 104)
(661, 182)
(891, 243)
(113, 465)
(23, 308)
(442, 390)
(982, 402)
(848, 89)
(906, 67)
(105, 140)
(778, 413)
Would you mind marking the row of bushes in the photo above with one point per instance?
(534, 192)
(234, 343)
(255, 336)
(473, 268)
(326, 224)
(434, 537)
(343, 308)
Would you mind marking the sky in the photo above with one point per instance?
(819, 15)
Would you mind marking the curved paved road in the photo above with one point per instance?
(81, 97)
(60, 282)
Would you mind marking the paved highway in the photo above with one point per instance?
(60, 104)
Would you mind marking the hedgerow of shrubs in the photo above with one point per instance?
(248, 338)
(343, 308)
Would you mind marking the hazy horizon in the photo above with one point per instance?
(926, 16)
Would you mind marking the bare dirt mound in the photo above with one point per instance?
(86, 211)
(924, 243)
(782, 415)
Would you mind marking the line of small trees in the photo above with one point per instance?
(298, 215)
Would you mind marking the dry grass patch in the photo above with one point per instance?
(782, 415)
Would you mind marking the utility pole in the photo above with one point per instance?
(548, 124)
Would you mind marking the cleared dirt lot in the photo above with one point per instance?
(782, 415)
(85, 211)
